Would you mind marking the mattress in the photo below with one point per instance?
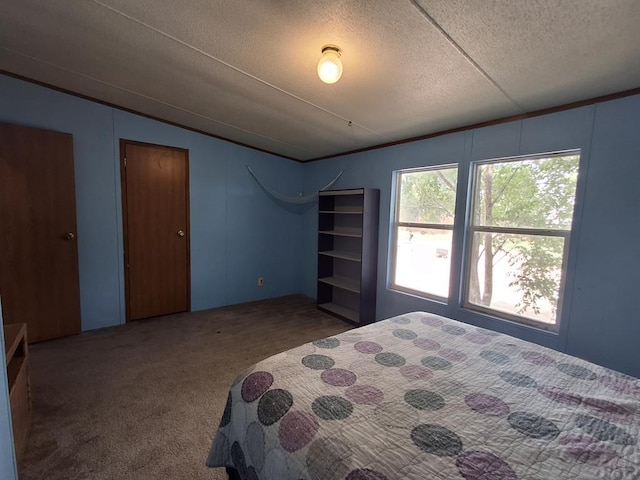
(420, 396)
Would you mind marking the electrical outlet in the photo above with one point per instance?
(260, 281)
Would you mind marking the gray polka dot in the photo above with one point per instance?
(604, 431)
(424, 400)
(389, 359)
(401, 320)
(327, 343)
(436, 363)
(404, 334)
(453, 330)
(533, 425)
(332, 408)
(273, 405)
(318, 362)
(495, 357)
(576, 371)
(518, 379)
(226, 416)
(436, 440)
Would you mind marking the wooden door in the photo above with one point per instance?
(38, 250)
(155, 199)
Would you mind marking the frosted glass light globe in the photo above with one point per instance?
(330, 66)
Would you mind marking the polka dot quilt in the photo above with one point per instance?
(421, 396)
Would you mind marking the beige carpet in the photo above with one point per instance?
(143, 401)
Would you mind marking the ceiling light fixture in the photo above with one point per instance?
(330, 66)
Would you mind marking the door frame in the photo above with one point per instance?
(125, 217)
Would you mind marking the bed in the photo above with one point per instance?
(420, 396)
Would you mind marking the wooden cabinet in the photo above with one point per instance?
(17, 355)
(348, 253)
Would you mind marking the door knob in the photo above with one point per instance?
(69, 236)
(180, 233)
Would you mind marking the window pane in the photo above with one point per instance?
(423, 259)
(516, 274)
(428, 196)
(533, 193)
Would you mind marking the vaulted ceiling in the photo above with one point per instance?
(245, 70)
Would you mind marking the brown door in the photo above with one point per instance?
(155, 200)
(38, 251)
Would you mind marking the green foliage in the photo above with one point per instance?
(428, 196)
(531, 193)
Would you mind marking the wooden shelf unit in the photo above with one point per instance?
(348, 253)
(17, 355)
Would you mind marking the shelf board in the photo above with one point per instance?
(343, 212)
(340, 310)
(13, 371)
(343, 233)
(354, 257)
(342, 282)
(13, 335)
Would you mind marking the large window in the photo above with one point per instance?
(517, 233)
(520, 220)
(425, 210)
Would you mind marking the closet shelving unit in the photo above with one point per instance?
(348, 253)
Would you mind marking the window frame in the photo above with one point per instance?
(471, 229)
(397, 224)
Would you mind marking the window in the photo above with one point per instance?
(519, 226)
(517, 233)
(423, 229)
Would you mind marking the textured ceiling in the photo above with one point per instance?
(246, 70)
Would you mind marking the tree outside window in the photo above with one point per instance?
(519, 225)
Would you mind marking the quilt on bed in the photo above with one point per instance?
(420, 396)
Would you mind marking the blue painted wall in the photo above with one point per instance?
(600, 309)
(238, 233)
(7, 451)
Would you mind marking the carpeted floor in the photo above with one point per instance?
(143, 401)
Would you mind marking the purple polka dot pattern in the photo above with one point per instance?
(537, 358)
(416, 372)
(367, 347)
(478, 338)
(583, 450)
(296, 430)
(432, 321)
(255, 385)
(487, 405)
(461, 401)
(364, 395)
(559, 395)
(452, 355)
(426, 344)
(475, 465)
(365, 474)
(338, 377)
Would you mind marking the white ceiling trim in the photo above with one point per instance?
(236, 69)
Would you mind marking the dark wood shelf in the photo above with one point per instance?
(17, 354)
(348, 253)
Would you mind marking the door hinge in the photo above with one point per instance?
(125, 162)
